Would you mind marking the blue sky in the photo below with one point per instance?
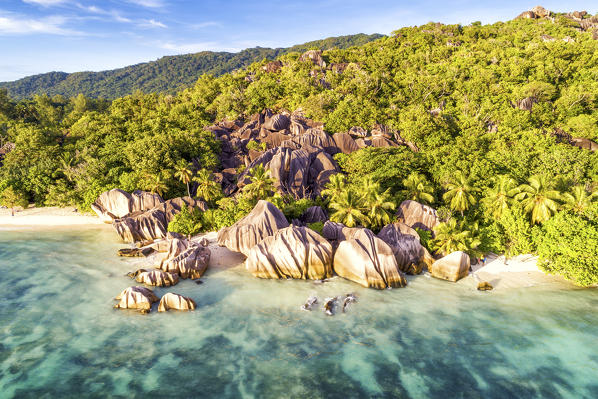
(39, 36)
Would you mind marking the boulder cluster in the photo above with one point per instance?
(277, 250)
(184, 259)
(140, 216)
(296, 150)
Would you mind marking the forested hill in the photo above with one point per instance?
(166, 74)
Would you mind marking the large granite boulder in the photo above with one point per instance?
(264, 220)
(314, 214)
(112, 205)
(157, 278)
(452, 267)
(345, 143)
(334, 231)
(190, 263)
(369, 261)
(315, 56)
(172, 301)
(414, 214)
(292, 252)
(411, 256)
(139, 298)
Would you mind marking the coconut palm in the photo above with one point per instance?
(262, 185)
(348, 209)
(156, 184)
(578, 200)
(336, 186)
(369, 189)
(184, 173)
(538, 198)
(459, 193)
(207, 188)
(380, 208)
(417, 188)
(500, 196)
(453, 236)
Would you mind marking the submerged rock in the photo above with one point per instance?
(172, 301)
(485, 286)
(263, 221)
(135, 252)
(292, 252)
(139, 298)
(452, 267)
(157, 278)
(369, 261)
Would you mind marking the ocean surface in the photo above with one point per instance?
(61, 338)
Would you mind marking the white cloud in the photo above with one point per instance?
(157, 24)
(54, 25)
(183, 48)
(45, 3)
(100, 11)
(149, 3)
(206, 24)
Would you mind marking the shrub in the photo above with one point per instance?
(568, 245)
(186, 222)
(317, 227)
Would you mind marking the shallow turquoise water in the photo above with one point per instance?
(60, 337)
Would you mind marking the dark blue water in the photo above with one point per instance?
(60, 337)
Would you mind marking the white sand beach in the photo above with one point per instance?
(47, 216)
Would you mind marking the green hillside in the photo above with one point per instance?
(166, 74)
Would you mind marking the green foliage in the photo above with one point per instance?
(254, 145)
(318, 227)
(454, 236)
(294, 209)
(568, 245)
(186, 222)
(261, 184)
(425, 236)
(13, 198)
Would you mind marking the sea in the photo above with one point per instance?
(248, 338)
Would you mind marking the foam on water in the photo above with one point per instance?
(60, 337)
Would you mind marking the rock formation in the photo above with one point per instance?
(452, 267)
(191, 262)
(411, 256)
(157, 278)
(172, 301)
(135, 252)
(292, 252)
(314, 214)
(139, 298)
(369, 261)
(263, 221)
(116, 203)
(414, 214)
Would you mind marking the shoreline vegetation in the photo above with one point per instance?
(426, 149)
(518, 272)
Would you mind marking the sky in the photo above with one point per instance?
(38, 36)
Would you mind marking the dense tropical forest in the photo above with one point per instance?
(165, 75)
(491, 113)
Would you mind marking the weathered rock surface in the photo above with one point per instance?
(135, 252)
(116, 203)
(414, 214)
(172, 301)
(484, 286)
(263, 221)
(411, 256)
(292, 252)
(190, 263)
(334, 231)
(452, 267)
(314, 214)
(585, 144)
(369, 261)
(139, 298)
(157, 278)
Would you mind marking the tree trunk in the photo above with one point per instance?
(13, 211)
(188, 193)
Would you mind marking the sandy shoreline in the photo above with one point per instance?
(47, 217)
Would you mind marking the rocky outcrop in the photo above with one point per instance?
(416, 215)
(411, 256)
(172, 301)
(153, 223)
(334, 231)
(292, 252)
(191, 262)
(263, 221)
(116, 203)
(585, 144)
(139, 298)
(135, 252)
(369, 261)
(452, 267)
(315, 56)
(314, 214)
(157, 278)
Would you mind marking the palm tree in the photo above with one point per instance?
(262, 185)
(460, 193)
(156, 184)
(579, 199)
(453, 236)
(417, 188)
(348, 209)
(500, 196)
(336, 186)
(67, 166)
(538, 198)
(207, 189)
(380, 208)
(183, 173)
(369, 189)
